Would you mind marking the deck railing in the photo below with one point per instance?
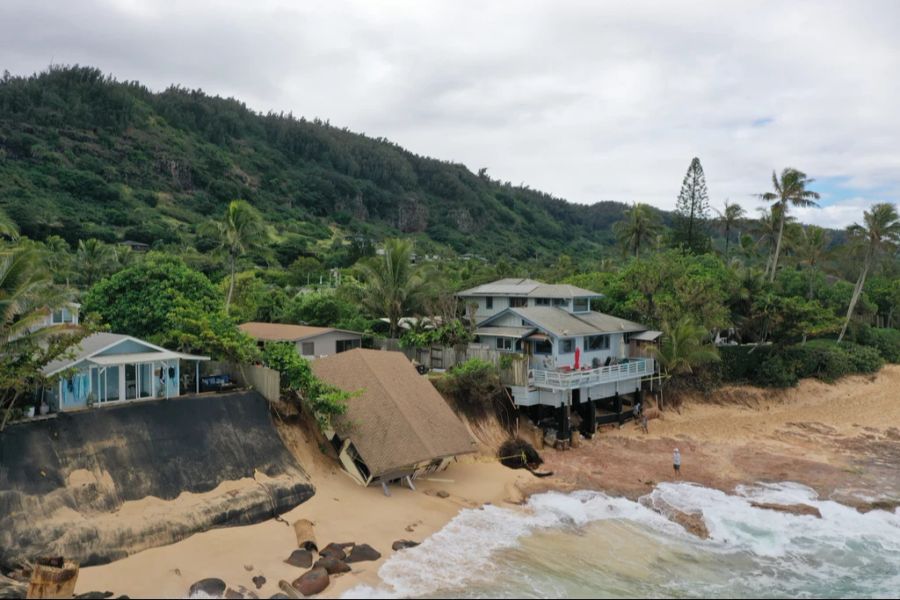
(567, 380)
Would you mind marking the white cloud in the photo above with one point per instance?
(589, 101)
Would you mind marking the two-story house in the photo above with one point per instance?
(574, 357)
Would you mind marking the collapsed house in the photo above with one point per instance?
(397, 426)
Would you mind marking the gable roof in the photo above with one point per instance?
(399, 418)
(284, 332)
(562, 323)
(528, 288)
(98, 342)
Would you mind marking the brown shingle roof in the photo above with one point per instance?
(282, 332)
(398, 419)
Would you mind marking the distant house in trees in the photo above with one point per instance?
(136, 246)
(311, 342)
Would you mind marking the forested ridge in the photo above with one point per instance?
(83, 155)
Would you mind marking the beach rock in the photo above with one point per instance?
(300, 558)
(362, 552)
(312, 582)
(231, 594)
(279, 596)
(692, 522)
(211, 586)
(403, 545)
(442, 494)
(793, 509)
(259, 581)
(332, 565)
(94, 595)
(335, 551)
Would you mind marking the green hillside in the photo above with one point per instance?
(83, 155)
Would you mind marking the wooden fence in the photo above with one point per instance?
(446, 357)
(264, 380)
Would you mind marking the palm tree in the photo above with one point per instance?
(93, 260)
(790, 188)
(8, 227)
(243, 230)
(391, 286)
(880, 232)
(729, 217)
(639, 226)
(767, 227)
(684, 347)
(811, 249)
(26, 293)
(58, 258)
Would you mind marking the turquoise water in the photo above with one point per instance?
(587, 544)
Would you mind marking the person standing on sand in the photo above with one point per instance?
(676, 462)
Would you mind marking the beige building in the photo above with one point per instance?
(397, 426)
(311, 342)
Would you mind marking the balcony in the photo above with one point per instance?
(561, 379)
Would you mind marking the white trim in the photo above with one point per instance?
(128, 338)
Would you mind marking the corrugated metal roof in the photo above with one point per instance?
(528, 288)
(506, 332)
(283, 332)
(647, 336)
(88, 346)
(562, 323)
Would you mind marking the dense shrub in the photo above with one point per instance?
(886, 341)
(776, 371)
(741, 363)
(473, 387)
(863, 359)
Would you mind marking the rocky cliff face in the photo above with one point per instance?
(99, 485)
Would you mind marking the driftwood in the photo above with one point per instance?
(289, 590)
(306, 535)
(53, 578)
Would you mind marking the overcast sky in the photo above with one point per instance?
(586, 100)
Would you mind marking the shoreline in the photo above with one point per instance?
(842, 440)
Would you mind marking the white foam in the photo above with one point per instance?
(459, 555)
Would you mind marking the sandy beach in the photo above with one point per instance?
(843, 440)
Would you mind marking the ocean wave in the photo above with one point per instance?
(767, 552)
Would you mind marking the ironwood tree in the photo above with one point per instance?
(692, 211)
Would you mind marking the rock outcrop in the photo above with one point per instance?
(62, 479)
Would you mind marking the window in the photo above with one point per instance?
(542, 301)
(593, 343)
(567, 346)
(543, 347)
(504, 343)
(344, 345)
(489, 302)
(61, 316)
(560, 302)
(518, 302)
(581, 305)
(308, 348)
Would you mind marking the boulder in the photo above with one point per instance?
(312, 582)
(94, 596)
(300, 558)
(212, 587)
(442, 494)
(335, 551)
(403, 545)
(361, 552)
(259, 581)
(231, 594)
(793, 509)
(332, 565)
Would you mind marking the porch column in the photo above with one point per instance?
(589, 419)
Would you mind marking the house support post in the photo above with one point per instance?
(589, 419)
(618, 402)
(196, 377)
(564, 430)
